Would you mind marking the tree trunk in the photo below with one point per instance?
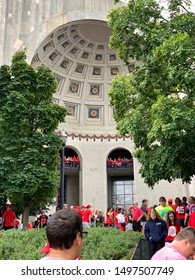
(25, 217)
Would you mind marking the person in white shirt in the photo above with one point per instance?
(121, 219)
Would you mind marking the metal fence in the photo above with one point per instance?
(141, 251)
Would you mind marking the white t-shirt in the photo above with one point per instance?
(120, 217)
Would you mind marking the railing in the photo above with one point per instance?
(141, 251)
(114, 166)
(72, 165)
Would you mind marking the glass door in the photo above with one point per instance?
(123, 193)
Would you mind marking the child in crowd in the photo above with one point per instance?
(173, 226)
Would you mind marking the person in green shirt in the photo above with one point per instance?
(162, 208)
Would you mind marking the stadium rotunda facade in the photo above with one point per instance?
(71, 38)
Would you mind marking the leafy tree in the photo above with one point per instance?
(2, 204)
(29, 148)
(155, 104)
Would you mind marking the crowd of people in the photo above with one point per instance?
(167, 238)
(119, 162)
(9, 220)
(168, 228)
(73, 161)
(161, 224)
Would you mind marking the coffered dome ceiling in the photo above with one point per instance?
(84, 66)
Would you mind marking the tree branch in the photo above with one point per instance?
(184, 8)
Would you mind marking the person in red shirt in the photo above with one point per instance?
(170, 202)
(190, 208)
(121, 219)
(43, 218)
(29, 225)
(9, 218)
(82, 208)
(74, 161)
(114, 214)
(109, 218)
(179, 209)
(86, 217)
(137, 214)
(191, 222)
(75, 208)
(173, 226)
(119, 162)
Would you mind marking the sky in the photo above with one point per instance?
(164, 1)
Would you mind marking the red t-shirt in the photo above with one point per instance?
(179, 211)
(114, 214)
(30, 225)
(137, 212)
(85, 216)
(108, 220)
(9, 217)
(191, 222)
(80, 212)
(46, 249)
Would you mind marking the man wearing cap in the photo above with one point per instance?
(76, 209)
(9, 218)
(86, 217)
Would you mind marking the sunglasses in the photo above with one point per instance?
(84, 234)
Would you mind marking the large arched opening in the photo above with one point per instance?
(120, 178)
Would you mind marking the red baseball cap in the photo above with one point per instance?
(82, 206)
(88, 206)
